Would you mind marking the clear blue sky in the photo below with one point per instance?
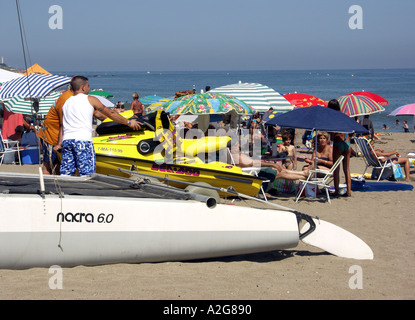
(164, 35)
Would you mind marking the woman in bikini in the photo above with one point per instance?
(324, 153)
(341, 146)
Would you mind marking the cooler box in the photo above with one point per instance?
(30, 155)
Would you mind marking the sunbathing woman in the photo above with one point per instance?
(244, 161)
(341, 146)
(383, 156)
(324, 153)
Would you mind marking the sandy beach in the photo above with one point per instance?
(384, 220)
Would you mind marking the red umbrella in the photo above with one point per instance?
(377, 98)
(302, 100)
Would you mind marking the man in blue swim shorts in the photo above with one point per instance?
(78, 111)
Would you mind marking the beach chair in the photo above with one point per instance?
(369, 155)
(9, 146)
(322, 183)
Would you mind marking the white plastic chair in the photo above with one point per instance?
(9, 146)
(323, 182)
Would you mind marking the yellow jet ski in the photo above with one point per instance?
(151, 151)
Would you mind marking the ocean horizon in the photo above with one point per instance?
(397, 85)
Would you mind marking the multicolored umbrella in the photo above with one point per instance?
(207, 103)
(25, 105)
(302, 100)
(353, 106)
(34, 86)
(258, 96)
(102, 93)
(157, 105)
(375, 97)
(148, 100)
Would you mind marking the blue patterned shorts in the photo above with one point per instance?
(78, 155)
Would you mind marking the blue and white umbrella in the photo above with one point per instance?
(257, 95)
(34, 86)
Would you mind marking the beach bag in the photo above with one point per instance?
(397, 172)
(387, 172)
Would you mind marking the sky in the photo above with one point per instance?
(194, 35)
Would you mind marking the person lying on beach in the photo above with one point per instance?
(244, 161)
(324, 154)
(393, 156)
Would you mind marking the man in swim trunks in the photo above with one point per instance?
(77, 147)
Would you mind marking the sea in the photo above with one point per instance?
(395, 85)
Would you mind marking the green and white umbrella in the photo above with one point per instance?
(102, 93)
(259, 96)
(25, 105)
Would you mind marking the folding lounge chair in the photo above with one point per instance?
(371, 160)
(9, 146)
(322, 183)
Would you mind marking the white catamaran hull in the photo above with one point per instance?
(86, 230)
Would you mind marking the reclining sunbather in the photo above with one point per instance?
(393, 156)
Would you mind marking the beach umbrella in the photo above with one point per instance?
(207, 103)
(36, 68)
(270, 115)
(258, 96)
(103, 100)
(157, 105)
(25, 105)
(353, 106)
(148, 100)
(102, 93)
(406, 110)
(34, 86)
(302, 100)
(6, 75)
(317, 118)
(375, 97)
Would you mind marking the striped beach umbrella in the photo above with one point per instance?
(157, 105)
(377, 98)
(354, 105)
(25, 105)
(258, 96)
(207, 103)
(148, 100)
(34, 86)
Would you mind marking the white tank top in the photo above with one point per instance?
(77, 118)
